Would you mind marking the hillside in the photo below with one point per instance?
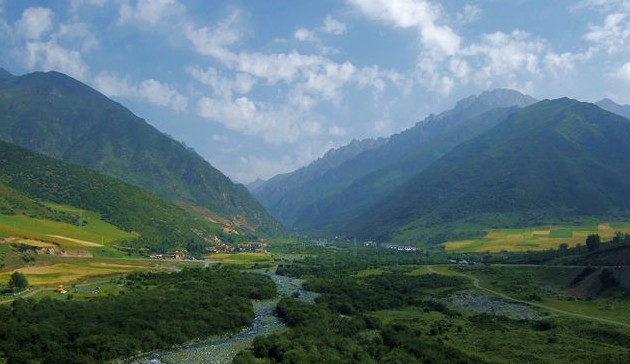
(555, 161)
(287, 194)
(56, 115)
(608, 104)
(343, 189)
(26, 178)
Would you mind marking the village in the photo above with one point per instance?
(250, 247)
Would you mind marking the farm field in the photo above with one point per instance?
(66, 270)
(95, 233)
(242, 258)
(534, 238)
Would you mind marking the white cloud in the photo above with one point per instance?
(613, 34)
(623, 73)
(79, 33)
(336, 130)
(330, 26)
(419, 14)
(34, 23)
(333, 26)
(470, 14)
(223, 85)
(51, 56)
(150, 90)
(255, 118)
(605, 5)
(215, 42)
(305, 35)
(504, 55)
(152, 12)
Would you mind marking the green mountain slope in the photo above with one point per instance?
(27, 177)
(331, 190)
(341, 208)
(555, 161)
(61, 117)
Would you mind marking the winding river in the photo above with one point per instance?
(223, 350)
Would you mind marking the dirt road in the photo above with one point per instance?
(539, 305)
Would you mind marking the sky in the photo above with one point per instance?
(261, 87)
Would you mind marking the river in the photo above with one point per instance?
(223, 350)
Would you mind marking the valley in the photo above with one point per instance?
(496, 231)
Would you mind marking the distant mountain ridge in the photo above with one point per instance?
(610, 105)
(284, 194)
(554, 161)
(59, 116)
(344, 189)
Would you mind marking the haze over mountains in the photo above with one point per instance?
(498, 159)
(59, 116)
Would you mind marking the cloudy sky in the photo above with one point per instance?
(260, 87)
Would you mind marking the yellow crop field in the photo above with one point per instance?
(43, 275)
(534, 238)
(240, 257)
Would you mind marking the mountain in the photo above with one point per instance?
(27, 178)
(555, 161)
(5, 74)
(286, 194)
(59, 116)
(342, 190)
(608, 104)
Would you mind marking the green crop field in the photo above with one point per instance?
(95, 233)
(535, 238)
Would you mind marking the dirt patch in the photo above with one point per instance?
(478, 303)
(78, 241)
(541, 232)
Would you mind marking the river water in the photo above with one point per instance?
(223, 350)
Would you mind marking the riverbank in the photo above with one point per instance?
(223, 350)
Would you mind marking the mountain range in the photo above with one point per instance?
(498, 159)
(340, 189)
(56, 115)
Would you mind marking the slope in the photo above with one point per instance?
(27, 177)
(555, 161)
(352, 183)
(610, 105)
(286, 195)
(61, 117)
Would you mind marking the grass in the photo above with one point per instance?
(534, 238)
(559, 338)
(95, 233)
(548, 285)
(74, 270)
(240, 257)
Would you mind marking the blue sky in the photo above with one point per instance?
(261, 87)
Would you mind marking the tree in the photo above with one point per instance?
(18, 281)
(593, 242)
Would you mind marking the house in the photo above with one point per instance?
(222, 248)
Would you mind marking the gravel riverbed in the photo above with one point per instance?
(222, 350)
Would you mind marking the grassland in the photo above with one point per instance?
(95, 233)
(535, 238)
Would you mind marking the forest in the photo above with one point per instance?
(153, 311)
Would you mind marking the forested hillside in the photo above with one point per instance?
(555, 161)
(56, 115)
(27, 177)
